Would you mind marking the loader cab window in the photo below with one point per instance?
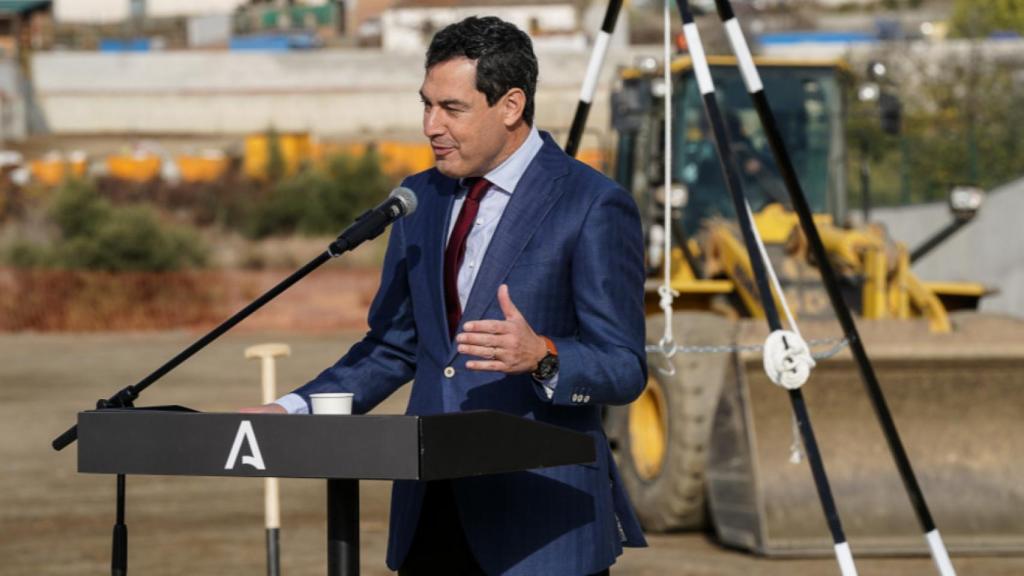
(806, 105)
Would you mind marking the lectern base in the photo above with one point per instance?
(342, 527)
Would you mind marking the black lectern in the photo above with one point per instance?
(341, 449)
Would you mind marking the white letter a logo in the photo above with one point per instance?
(245, 433)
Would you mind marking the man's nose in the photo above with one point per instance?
(432, 125)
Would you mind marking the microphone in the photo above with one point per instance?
(401, 202)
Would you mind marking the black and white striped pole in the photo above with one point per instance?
(755, 87)
(597, 56)
(728, 164)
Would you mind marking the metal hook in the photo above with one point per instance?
(668, 349)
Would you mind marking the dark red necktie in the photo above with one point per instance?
(457, 250)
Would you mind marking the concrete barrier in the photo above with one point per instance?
(334, 93)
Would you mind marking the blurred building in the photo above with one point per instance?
(112, 11)
(209, 23)
(25, 26)
(296, 24)
(409, 25)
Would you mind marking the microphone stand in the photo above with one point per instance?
(368, 226)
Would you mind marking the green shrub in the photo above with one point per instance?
(78, 209)
(320, 200)
(291, 205)
(23, 254)
(132, 239)
(97, 235)
(360, 185)
(275, 157)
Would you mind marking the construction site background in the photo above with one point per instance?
(212, 136)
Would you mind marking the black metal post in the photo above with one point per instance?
(865, 181)
(273, 552)
(733, 184)
(845, 317)
(342, 527)
(119, 546)
(579, 119)
(938, 238)
(130, 393)
(401, 202)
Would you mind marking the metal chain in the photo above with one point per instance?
(838, 343)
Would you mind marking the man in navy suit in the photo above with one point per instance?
(517, 285)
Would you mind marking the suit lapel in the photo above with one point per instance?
(434, 245)
(533, 197)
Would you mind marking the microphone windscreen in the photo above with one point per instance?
(406, 197)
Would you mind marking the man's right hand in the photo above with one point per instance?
(271, 408)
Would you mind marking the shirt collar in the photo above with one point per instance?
(507, 174)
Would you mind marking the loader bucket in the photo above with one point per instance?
(958, 402)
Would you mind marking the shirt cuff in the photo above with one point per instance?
(549, 386)
(295, 404)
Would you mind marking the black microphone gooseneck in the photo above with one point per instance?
(401, 202)
(374, 221)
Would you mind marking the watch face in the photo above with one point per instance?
(547, 367)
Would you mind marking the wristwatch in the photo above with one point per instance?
(548, 365)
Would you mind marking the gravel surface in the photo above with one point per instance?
(55, 521)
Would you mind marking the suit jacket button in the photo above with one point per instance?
(586, 398)
(449, 372)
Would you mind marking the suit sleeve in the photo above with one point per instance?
(605, 363)
(385, 358)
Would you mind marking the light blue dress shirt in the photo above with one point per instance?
(503, 181)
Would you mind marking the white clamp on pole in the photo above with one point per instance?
(787, 359)
(271, 499)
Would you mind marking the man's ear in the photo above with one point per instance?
(513, 104)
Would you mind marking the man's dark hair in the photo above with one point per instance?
(503, 54)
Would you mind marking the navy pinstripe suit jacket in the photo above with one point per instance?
(570, 247)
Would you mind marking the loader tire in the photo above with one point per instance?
(661, 439)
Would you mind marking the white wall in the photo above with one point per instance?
(403, 27)
(104, 11)
(167, 8)
(13, 114)
(329, 92)
(90, 11)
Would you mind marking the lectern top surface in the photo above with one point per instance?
(182, 442)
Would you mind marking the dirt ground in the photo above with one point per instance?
(54, 521)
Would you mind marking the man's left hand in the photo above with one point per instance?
(508, 345)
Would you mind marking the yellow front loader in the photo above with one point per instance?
(710, 444)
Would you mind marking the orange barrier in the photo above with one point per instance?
(401, 158)
(295, 149)
(397, 158)
(206, 167)
(593, 157)
(321, 151)
(53, 170)
(138, 167)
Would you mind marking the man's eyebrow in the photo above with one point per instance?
(453, 103)
(447, 103)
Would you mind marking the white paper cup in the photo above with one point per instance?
(332, 403)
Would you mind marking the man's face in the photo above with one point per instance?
(468, 137)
